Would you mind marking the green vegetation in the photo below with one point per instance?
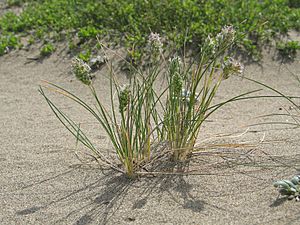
(47, 49)
(85, 55)
(289, 188)
(7, 43)
(128, 126)
(129, 22)
(288, 49)
(191, 91)
(141, 118)
(294, 3)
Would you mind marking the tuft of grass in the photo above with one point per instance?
(140, 117)
(191, 89)
(127, 122)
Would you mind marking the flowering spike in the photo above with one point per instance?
(81, 70)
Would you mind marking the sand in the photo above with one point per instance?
(43, 182)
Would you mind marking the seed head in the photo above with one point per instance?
(155, 41)
(226, 36)
(186, 96)
(211, 45)
(81, 70)
(176, 78)
(175, 64)
(177, 83)
(231, 66)
(124, 97)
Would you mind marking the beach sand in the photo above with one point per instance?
(43, 182)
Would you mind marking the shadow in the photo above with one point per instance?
(36, 60)
(99, 194)
(84, 220)
(140, 203)
(112, 187)
(284, 59)
(173, 186)
(52, 177)
(196, 205)
(86, 190)
(118, 188)
(278, 202)
(28, 211)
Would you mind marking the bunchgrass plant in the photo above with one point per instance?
(140, 115)
(127, 123)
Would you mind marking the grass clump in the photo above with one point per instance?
(179, 22)
(127, 121)
(140, 117)
(130, 133)
(192, 89)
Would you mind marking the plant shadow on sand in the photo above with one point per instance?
(118, 189)
(279, 202)
(96, 200)
(107, 194)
